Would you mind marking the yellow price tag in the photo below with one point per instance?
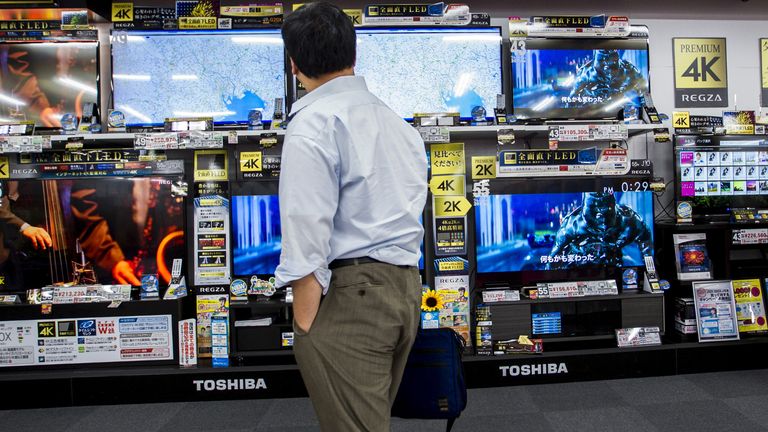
(250, 161)
(451, 206)
(122, 12)
(483, 167)
(681, 120)
(447, 185)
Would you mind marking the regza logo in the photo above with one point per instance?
(86, 327)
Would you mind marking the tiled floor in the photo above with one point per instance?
(728, 401)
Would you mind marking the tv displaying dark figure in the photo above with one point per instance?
(563, 231)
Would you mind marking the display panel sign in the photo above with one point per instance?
(764, 72)
(715, 311)
(86, 340)
(701, 78)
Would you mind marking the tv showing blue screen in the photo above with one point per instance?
(220, 74)
(256, 234)
(428, 70)
(583, 79)
(556, 231)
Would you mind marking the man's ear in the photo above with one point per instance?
(294, 69)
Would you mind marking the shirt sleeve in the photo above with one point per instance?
(309, 198)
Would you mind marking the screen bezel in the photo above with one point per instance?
(195, 32)
(96, 42)
(507, 186)
(573, 43)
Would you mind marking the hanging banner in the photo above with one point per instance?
(701, 78)
(764, 72)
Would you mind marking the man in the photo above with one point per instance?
(352, 188)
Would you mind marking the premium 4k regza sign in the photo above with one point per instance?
(701, 78)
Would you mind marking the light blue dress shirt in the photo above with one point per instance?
(353, 183)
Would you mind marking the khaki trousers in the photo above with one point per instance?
(353, 357)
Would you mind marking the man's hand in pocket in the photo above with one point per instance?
(307, 292)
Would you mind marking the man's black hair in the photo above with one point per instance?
(320, 39)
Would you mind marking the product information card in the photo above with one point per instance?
(715, 311)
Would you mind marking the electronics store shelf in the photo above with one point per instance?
(464, 131)
(621, 296)
(256, 304)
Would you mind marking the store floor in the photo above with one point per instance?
(733, 401)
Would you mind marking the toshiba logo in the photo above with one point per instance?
(230, 384)
(534, 369)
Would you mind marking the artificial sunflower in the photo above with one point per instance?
(431, 301)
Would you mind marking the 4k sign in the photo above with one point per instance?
(701, 77)
(122, 12)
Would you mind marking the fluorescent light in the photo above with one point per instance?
(462, 84)
(135, 113)
(203, 114)
(616, 104)
(184, 77)
(131, 77)
(543, 104)
(472, 38)
(257, 39)
(69, 82)
(11, 100)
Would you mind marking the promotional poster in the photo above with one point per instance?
(209, 305)
(563, 231)
(750, 309)
(454, 291)
(715, 311)
(81, 223)
(692, 257)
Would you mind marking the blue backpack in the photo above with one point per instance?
(433, 385)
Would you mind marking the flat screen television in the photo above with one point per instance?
(549, 236)
(731, 172)
(256, 234)
(41, 81)
(219, 74)
(427, 70)
(123, 239)
(579, 78)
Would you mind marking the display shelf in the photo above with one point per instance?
(537, 130)
(620, 296)
(471, 131)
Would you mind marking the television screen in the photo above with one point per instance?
(219, 74)
(563, 231)
(42, 81)
(714, 180)
(122, 239)
(257, 234)
(579, 79)
(420, 70)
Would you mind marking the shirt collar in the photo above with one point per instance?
(337, 85)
